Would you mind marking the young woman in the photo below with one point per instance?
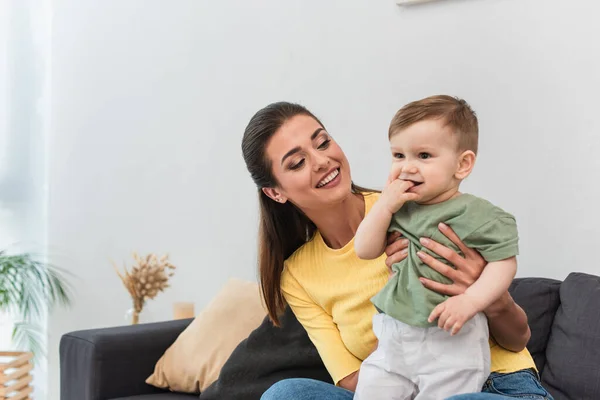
(309, 213)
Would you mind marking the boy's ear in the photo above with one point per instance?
(466, 162)
(274, 195)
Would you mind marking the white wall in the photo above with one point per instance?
(150, 99)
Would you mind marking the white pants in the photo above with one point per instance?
(424, 363)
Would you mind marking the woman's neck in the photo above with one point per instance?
(338, 224)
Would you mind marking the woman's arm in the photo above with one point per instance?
(507, 321)
(349, 382)
(322, 331)
(508, 324)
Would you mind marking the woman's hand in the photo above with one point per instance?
(507, 321)
(466, 269)
(396, 250)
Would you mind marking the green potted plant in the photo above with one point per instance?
(27, 288)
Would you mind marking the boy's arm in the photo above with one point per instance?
(370, 239)
(493, 283)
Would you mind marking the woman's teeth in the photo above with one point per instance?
(329, 178)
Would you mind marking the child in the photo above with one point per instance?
(434, 145)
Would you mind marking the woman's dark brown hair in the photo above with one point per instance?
(283, 227)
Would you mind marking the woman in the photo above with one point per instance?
(309, 213)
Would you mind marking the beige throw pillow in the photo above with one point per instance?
(194, 360)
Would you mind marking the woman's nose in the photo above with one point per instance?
(320, 161)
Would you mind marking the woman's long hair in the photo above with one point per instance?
(283, 227)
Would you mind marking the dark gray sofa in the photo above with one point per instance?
(564, 317)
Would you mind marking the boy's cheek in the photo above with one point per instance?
(395, 170)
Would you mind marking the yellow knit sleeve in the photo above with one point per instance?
(321, 329)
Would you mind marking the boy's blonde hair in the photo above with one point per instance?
(455, 112)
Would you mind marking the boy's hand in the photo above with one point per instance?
(395, 194)
(453, 313)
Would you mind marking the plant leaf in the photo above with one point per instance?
(27, 288)
(28, 336)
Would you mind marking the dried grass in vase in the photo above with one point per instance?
(148, 276)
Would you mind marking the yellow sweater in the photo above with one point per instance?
(330, 292)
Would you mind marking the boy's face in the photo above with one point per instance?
(427, 154)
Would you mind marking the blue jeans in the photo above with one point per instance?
(516, 385)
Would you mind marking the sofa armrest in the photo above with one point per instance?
(99, 364)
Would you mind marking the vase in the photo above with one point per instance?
(132, 316)
(143, 317)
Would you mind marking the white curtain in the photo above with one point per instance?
(25, 43)
(25, 39)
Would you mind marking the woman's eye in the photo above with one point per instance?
(325, 144)
(298, 165)
(398, 155)
(424, 156)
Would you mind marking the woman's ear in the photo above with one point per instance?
(274, 195)
(466, 162)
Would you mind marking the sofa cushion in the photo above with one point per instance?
(573, 353)
(268, 355)
(540, 299)
(194, 360)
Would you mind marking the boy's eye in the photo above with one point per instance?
(325, 144)
(398, 155)
(424, 156)
(297, 165)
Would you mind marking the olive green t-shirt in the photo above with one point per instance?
(480, 225)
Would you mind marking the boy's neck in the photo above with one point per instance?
(444, 196)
